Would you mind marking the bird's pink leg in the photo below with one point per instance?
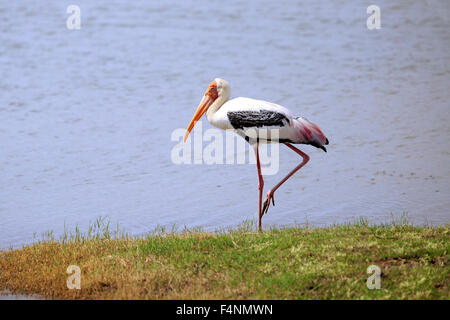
(260, 185)
(269, 195)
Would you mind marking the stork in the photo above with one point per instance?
(253, 120)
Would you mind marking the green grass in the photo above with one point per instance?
(280, 263)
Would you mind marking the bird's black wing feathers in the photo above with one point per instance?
(256, 119)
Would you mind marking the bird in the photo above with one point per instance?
(254, 120)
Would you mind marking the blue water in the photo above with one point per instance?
(87, 115)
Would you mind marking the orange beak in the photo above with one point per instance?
(204, 104)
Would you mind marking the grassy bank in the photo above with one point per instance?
(288, 263)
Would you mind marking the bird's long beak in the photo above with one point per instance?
(205, 103)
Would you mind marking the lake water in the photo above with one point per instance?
(7, 295)
(87, 115)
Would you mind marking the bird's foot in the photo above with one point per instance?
(266, 203)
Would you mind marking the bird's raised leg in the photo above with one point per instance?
(270, 193)
(260, 185)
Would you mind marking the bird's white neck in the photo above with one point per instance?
(221, 99)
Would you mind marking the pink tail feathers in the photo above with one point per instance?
(310, 133)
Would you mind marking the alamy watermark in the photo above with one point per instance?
(374, 20)
(73, 22)
(374, 280)
(226, 148)
(74, 280)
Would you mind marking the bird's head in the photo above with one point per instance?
(217, 90)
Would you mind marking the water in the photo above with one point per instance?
(87, 115)
(7, 295)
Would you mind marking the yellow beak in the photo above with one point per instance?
(205, 103)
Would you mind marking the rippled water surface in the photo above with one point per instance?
(87, 115)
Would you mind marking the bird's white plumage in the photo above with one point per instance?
(221, 120)
(220, 117)
(248, 104)
(292, 129)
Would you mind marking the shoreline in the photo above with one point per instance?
(8, 295)
(286, 263)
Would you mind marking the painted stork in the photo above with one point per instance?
(253, 119)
